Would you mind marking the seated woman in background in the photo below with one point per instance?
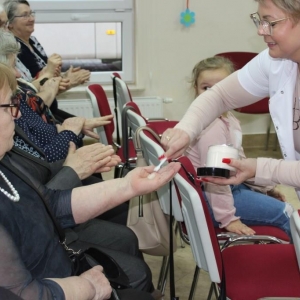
(38, 264)
(32, 57)
(32, 62)
(234, 207)
(37, 122)
(36, 83)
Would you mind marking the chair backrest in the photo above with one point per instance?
(135, 108)
(101, 107)
(134, 119)
(152, 150)
(203, 240)
(240, 59)
(122, 92)
(295, 230)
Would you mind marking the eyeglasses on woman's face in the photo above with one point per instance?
(14, 105)
(27, 15)
(267, 26)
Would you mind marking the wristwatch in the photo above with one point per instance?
(43, 81)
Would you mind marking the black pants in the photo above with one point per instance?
(131, 294)
(8, 295)
(119, 242)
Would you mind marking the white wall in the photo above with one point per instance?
(166, 51)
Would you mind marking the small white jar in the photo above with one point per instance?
(216, 153)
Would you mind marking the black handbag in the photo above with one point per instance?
(86, 259)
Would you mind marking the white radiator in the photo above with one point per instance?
(78, 107)
(151, 107)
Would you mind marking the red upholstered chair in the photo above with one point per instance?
(101, 107)
(247, 271)
(240, 59)
(158, 125)
(152, 150)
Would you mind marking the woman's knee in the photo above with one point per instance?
(143, 277)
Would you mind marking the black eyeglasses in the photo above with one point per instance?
(14, 105)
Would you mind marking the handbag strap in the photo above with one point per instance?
(58, 228)
(171, 253)
(137, 140)
(19, 132)
(116, 109)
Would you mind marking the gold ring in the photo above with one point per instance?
(168, 138)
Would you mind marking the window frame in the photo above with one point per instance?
(91, 11)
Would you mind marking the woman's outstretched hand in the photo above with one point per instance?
(141, 183)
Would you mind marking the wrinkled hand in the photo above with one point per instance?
(90, 159)
(100, 283)
(115, 160)
(140, 183)
(90, 124)
(64, 85)
(275, 193)
(74, 124)
(77, 76)
(53, 65)
(175, 142)
(245, 169)
(238, 227)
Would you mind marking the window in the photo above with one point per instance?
(96, 35)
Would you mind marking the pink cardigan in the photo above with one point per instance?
(224, 130)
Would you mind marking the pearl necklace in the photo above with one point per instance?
(15, 197)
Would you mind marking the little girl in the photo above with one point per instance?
(233, 207)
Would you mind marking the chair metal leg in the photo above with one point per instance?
(216, 290)
(194, 283)
(163, 270)
(210, 291)
(164, 279)
(177, 229)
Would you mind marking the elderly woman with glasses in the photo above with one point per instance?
(33, 263)
(32, 61)
(273, 73)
